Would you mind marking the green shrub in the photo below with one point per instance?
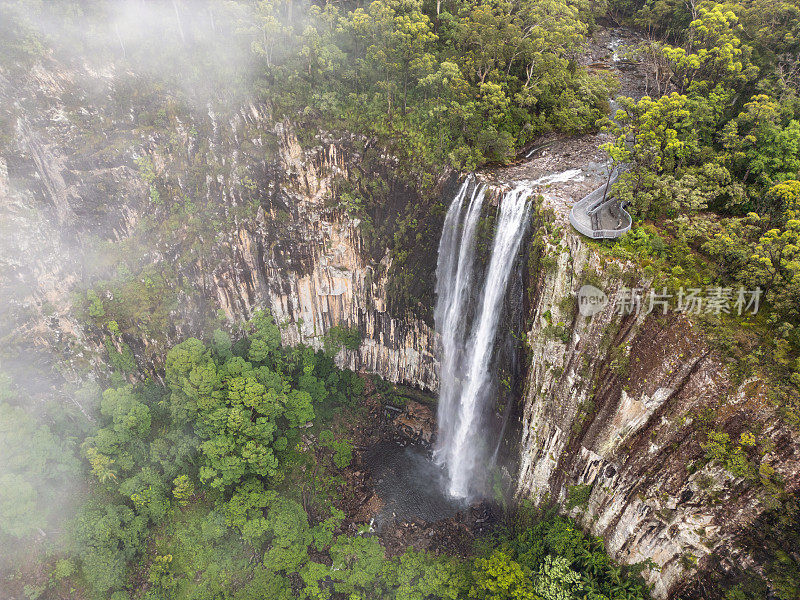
(578, 495)
(340, 336)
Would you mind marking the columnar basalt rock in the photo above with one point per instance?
(319, 276)
(299, 255)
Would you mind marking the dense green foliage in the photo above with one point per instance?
(714, 163)
(37, 467)
(459, 81)
(544, 556)
(224, 435)
(225, 484)
(723, 129)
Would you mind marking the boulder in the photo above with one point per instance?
(416, 422)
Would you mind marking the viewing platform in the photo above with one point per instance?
(599, 215)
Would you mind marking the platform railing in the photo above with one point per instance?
(591, 205)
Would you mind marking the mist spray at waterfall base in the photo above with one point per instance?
(411, 486)
(469, 328)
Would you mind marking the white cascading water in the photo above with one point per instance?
(465, 376)
(453, 288)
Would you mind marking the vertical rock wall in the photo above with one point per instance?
(336, 284)
(622, 404)
(67, 190)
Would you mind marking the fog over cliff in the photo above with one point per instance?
(224, 170)
(69, 74)
(196, 47)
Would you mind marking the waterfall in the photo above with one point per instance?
(466, 349)
(453, 286)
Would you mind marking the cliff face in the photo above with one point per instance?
(82, 178)
(333, 281)
(615, 403)
(620, 405)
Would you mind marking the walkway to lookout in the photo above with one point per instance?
(599, 214)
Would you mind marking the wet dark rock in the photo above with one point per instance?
(416, 422)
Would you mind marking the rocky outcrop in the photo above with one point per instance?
(416, 422)
(617, 407)
(67, 196)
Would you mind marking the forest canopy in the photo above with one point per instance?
(226, 483)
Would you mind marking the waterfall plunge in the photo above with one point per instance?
(466, 377)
